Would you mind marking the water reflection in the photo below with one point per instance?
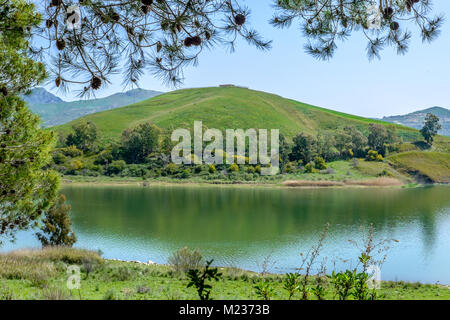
(240, 226)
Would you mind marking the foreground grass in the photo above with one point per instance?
(42, 274)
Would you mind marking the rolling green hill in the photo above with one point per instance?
(223, 108)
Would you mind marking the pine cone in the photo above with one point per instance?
(96, 83)
(58, 82)
(60, 44)
(196, 41)
(394, 26)
(239, 19)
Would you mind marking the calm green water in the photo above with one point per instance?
(241, 226)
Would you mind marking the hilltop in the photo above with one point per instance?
(415, 119)
(227, 107)
(54, 111)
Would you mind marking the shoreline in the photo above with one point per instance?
(287, 184)
(151, 263)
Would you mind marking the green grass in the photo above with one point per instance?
(430, 166)
(224, 108)
(126, 280)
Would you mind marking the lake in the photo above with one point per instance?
(243, 226)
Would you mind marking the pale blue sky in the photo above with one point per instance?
(349, 82)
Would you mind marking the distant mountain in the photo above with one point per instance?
(55, 111)
(415, 119)
(41, 96)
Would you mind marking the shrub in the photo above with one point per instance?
(55, 293)
(110, 295)
(212, 168)
(373, 155)
(319, 163)
(185, 259)
(76, 165)
(71, 151)
(104, 157)
(6, 294)
(171, 168)
(258, 169)
(309, 168)
(186, 173)
(250, 169)
(121, 274)
(198, 280)
(59, 158)
(264, 290)
(234, 167)
(115, 167)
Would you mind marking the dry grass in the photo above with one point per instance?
(307, 183)
(375, 182)
(38, 265)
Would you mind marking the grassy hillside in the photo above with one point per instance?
(223, 108)
(429, 166)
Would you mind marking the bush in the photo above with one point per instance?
(71, 151)
(55, 293)
(250, 169)
(115, 167)
(186, 173)
(59, 158)
(134, 170)
(212, 168)
(373, 155)
(171, 168)
(104, 157)
(320, 163)
(309, 168)
(234, 167)
(186, 259)
(76, 165)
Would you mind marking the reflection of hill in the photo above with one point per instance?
(179, 214)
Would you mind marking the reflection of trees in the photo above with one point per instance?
(243, 214)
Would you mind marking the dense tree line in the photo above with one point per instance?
(144, 151)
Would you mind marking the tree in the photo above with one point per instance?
(84, 136)
(305, 148)
(359, 140)
(324, 22)
(285, 150)
(26, 190)
(167, 35)
(326, 145)
(56, 229)
(378, 137)
(161, 35)
(139, 142)
(430, 128)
